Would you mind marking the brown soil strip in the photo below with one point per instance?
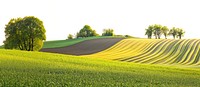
(85, 47)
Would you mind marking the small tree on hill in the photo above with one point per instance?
(173, 32)
(70, 36)
(157, 31)
(180, 32)
(108, 32)
(86, 31)
(165, 31)
(149, 31)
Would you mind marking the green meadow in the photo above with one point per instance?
(130, 62)
(20, 68)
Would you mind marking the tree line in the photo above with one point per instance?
(158, 30)
(28, 33)
(87, 31)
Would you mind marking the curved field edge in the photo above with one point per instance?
(19, 68)
(151, 51)
(68, 42)
(85, 47)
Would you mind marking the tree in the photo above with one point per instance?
(25, 33)
(149, 31)
(173, 32)
(108, 32)
(180, 32)
(70, 36)
(157, 31)
(86, 31)
(165, 31)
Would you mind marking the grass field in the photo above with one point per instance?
(173, 52)
(64, 43)
(1, 47)
(20, 68)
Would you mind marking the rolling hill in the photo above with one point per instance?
(125, 62)
(85, 47)
(68, 42)
(151, 51)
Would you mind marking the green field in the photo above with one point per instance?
(20, 68)
(64, 43)
(130, 62)
(1, 47)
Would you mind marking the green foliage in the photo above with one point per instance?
(86, 31)
(70, 36)
(176, 32)
(157, 30)
(165, 31)
(25, 33)
(180, 32)
(149, 31)
(173, 32)
(108, 32)
(19, 68)
(128, 36)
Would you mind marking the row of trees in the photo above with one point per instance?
(159, 30)
(87, 31)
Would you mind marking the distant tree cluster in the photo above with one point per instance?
(108, 32)
(25, 33)
(159, 30)
(70, 36)
(86, 31)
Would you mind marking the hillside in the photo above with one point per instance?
(68, 42)
(151, 51)
(20, 68)
(85, 47)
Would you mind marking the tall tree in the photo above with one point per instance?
(25, 33)
(180, 32)
(149, 31)
(108, 32)
(173, 32)
(165, 31)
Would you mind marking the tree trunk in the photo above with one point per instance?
(165, 36)
(174, 36)
(179, 37)
(32, 44)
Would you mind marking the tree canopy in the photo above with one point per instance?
(25, 33)
(86, 31)
(108, 32)
(173, 32)
(165, 31)
(159, 30)
(70, 36)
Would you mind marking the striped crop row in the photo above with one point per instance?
(151, 51)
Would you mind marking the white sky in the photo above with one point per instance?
(62, 17)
